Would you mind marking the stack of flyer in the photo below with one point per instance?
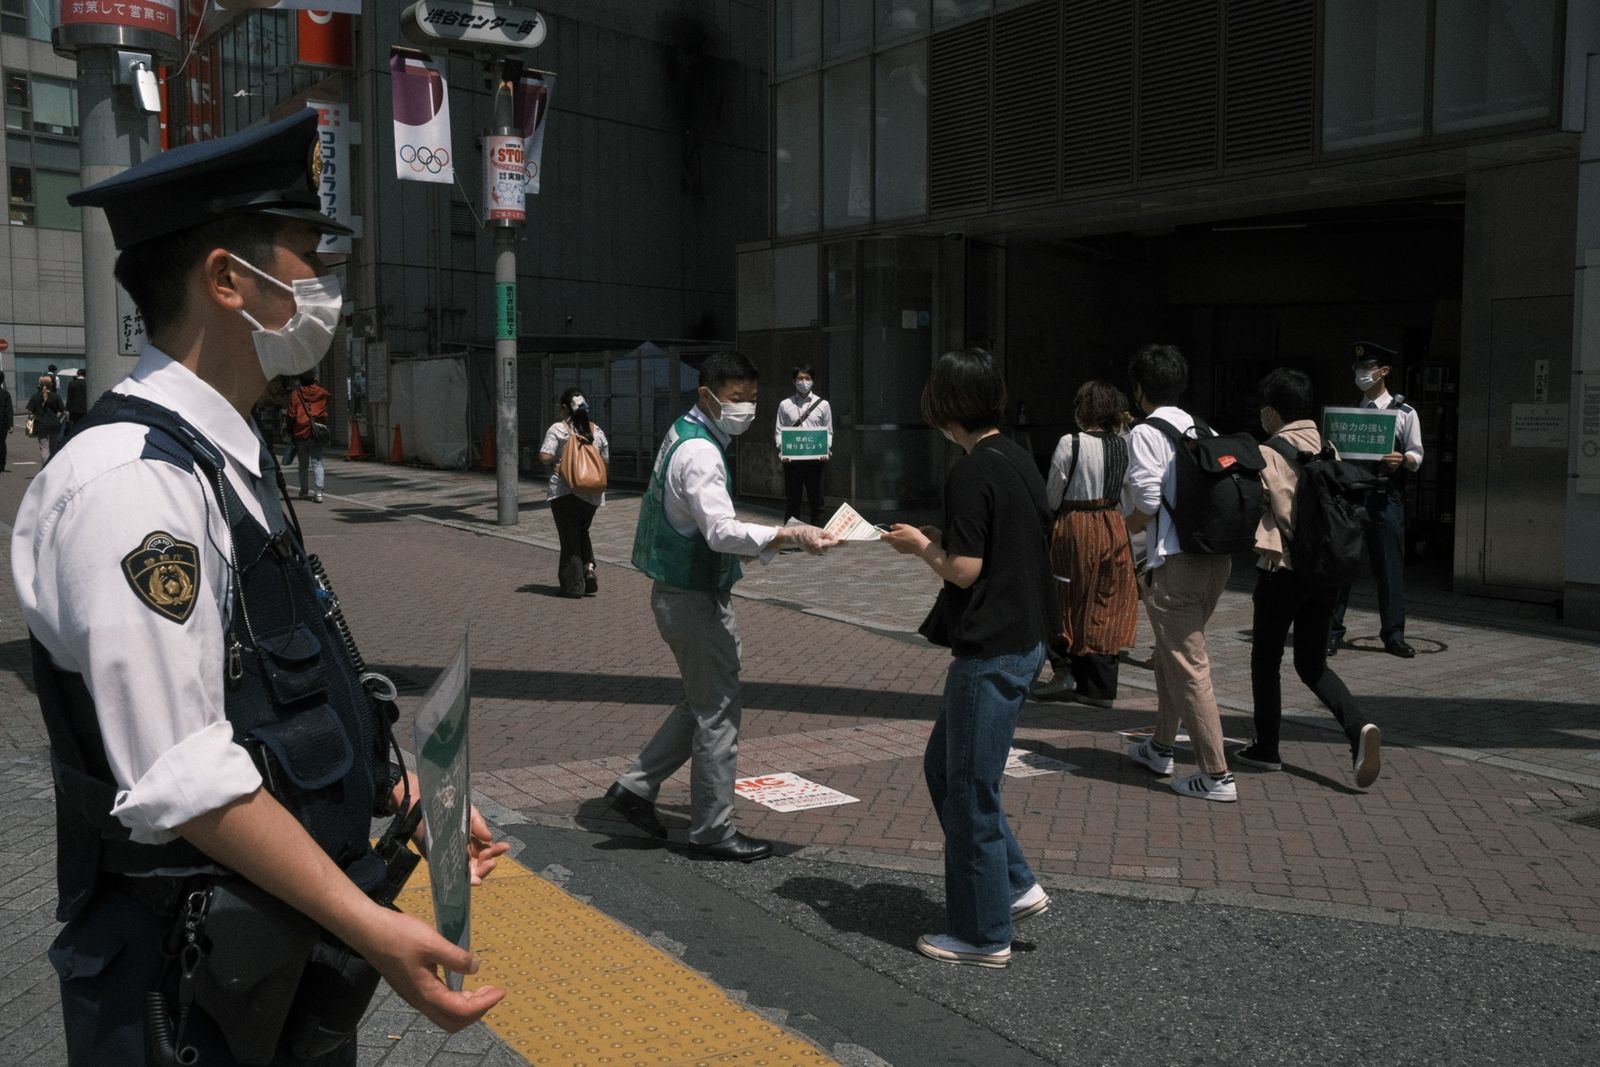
(848, 526)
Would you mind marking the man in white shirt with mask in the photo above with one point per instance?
(803, 411)
(690, 541)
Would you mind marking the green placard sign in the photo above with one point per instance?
(803, 444)
(1360, 433)
(505, 307)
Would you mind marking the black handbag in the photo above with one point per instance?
(936, 627)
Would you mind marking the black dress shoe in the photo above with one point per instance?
(636, 809)
(1400, 648)
(1333, 647)
(738, 847)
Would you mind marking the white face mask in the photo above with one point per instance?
(803, 387)
(299, 344)
(735, 418)
(948, 436)
(1365, 380)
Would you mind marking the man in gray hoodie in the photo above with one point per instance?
(1284, 597)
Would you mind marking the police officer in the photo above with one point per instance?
(1386, 515)
(207, 725)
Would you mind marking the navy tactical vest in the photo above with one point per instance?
(293, 697)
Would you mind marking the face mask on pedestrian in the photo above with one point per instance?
(948, 436)
(733, 417)
(299, 344)
(803, 386)
(1366, 379)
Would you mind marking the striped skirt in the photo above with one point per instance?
(1099, 601)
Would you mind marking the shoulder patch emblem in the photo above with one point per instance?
(165, 575)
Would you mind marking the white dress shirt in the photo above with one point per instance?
(697, 498)
(1408, 428)
(1152, 475)
(157, 684)
(1087, 480)
(790, 410)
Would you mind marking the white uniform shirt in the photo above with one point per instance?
(157, 683)
(790, 410)
(697, 498)
(1087, 480)
(1408, 428)
(555, 439)
(1152, 475)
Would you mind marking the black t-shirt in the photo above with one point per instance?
(994, 510)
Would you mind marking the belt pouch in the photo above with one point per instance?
(334, 993)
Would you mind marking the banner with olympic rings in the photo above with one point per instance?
(421, 118)
(532, 105)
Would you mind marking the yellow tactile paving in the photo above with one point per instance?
(582, 989)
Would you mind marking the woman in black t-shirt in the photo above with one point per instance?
(993, 555)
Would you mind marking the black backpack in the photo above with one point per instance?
(1328, 515)
(1219, 489)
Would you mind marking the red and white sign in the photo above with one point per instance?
(324, 39)
(532, 102)
(157, 16)
(504, 179)
(790, 792)
(333, 135)
(4, 344)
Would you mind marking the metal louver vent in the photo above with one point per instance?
(1178, 86)
(462, 224)
(1268, 96)
(958, 118)
(1097, 93)
(1027, 88)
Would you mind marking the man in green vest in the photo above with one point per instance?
(690, 541)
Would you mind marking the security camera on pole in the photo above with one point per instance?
(117, 47)
(501, 30)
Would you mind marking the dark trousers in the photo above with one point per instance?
(4, 440)
(1094, 675)
(803, 474)
(107, 960)
(573, 516)
(1385, 536)
(1282, 599)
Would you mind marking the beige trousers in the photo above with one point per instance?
(1179, 598)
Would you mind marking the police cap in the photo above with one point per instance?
(1367, 353)
(267, 170)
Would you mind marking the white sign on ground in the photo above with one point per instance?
(1024, 764)
(790, 792)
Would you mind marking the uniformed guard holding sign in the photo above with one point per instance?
(218, 751)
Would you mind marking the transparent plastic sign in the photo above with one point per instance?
(444, 778)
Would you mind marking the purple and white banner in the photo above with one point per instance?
(421, 118)
(533, 106)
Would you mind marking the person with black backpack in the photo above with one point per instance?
(1308, 543)
(1197, 497)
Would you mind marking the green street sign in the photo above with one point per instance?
(803, 444)
(1360, 433)
(505, 311)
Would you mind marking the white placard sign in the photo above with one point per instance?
(790, 792)
(1539, 426)
(130, 325)
(1024, 764)
(333, 166)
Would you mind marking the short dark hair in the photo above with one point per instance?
(307, 377)
(154, 272)
(1099, 405)
(1160, 372)
(1288, 392)
(579, 416)
(727, 365)
(799, 369)
(965, 388)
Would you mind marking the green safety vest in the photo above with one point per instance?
(682, 560)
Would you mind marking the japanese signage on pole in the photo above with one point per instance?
(157, 16)
(333, 178)
(421, 118)
(533, 105)
(504, 179)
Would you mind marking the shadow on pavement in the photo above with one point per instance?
(894, 914)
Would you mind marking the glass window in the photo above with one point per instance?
(796, 154)
(901, 18)
(14, 17)
(1494, 62)
(797, 34)
(21, 189)
(846, 145)
(16, 101)
(841, 284)
(50, 204)
(846, 27)
(902, 174)
(947, 11)
(55, 106)
(1374, 63)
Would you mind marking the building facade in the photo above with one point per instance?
(1262, 182)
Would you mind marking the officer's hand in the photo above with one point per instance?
(814, 539)
(409, 954)
(1393, 460)
(482, 848)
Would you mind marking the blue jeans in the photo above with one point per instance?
(983, 868)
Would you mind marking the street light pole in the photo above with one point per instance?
(505, 137)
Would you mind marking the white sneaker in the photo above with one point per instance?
(947, 949)
(1206, 787)
(317, 497)
(1366, 762)
(1034, 902)
(1145, 752)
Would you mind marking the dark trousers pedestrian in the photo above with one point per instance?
(803, 474)
(573, 516)
(1282, 599)
(1385, 536)
(4, 457)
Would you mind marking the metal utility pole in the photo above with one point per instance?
(116, 51)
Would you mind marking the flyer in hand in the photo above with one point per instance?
(848, 526)
(444, 780)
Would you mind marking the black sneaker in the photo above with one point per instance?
(1250, 756)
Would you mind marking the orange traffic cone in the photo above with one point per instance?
(397, 448)
(486, 457)
(356, 451)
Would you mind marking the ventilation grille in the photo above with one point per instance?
(1097, 93)
(1178, 87)
(1268, 99)
(958, 118)
(1027, 91)
(462, 224)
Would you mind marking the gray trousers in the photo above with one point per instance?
(703, 728)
